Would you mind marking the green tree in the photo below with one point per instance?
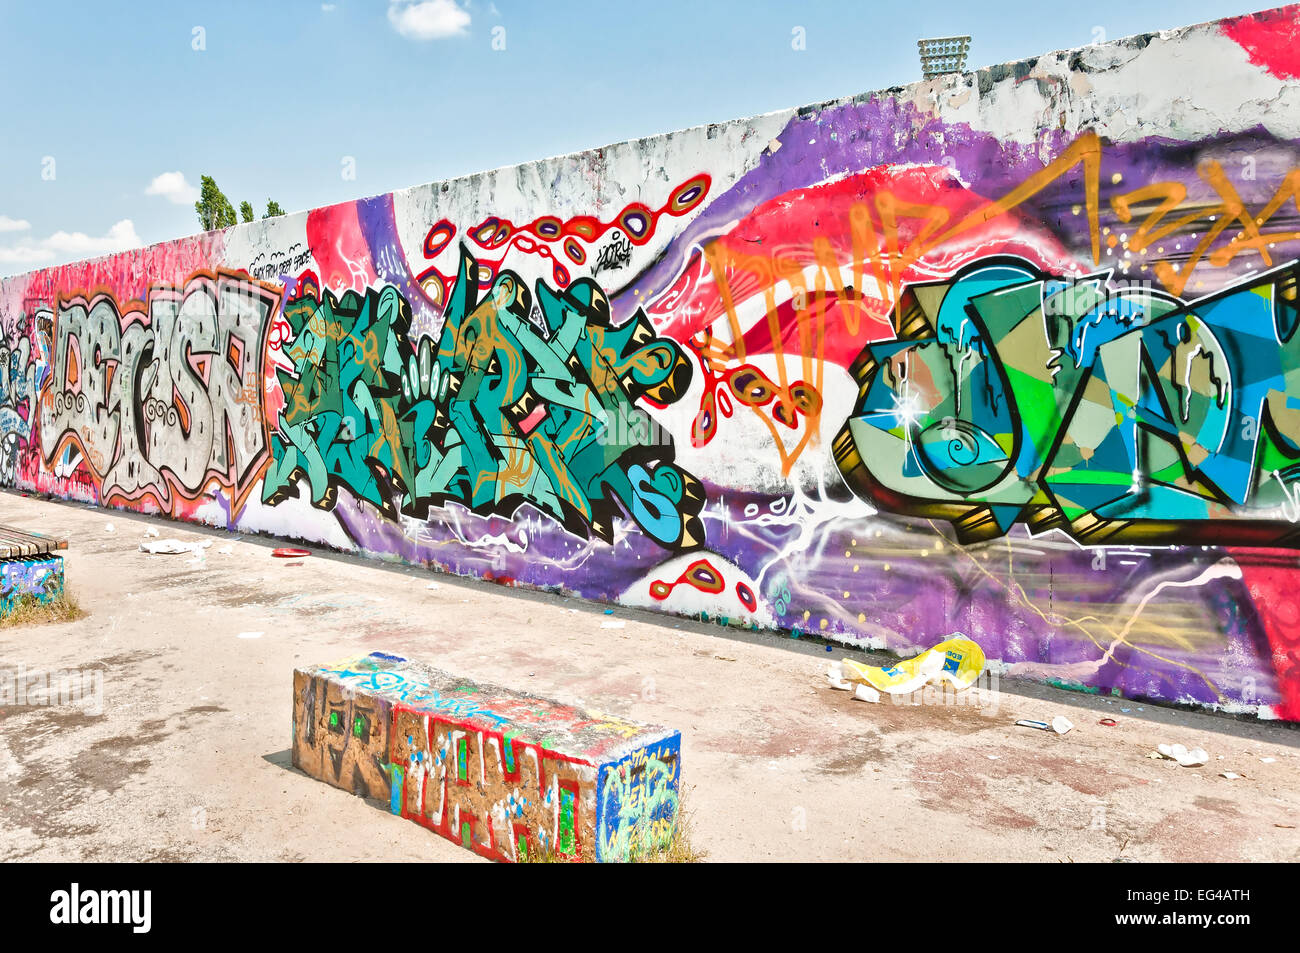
(246, 213)
(272, 209)
(213, 208)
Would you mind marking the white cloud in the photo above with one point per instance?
(173, 187)
(8, 224)
(327, 7)
(69, 246)
(428, 19)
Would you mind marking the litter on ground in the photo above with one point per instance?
(173, 547)
(958, 661)
(1188, 759)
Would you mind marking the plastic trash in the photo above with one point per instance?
(1188, 759)
(861, 691)
(1061, 724)
(1031, 723)
(957, 661)
(1230, 775)
(865, 693)
(835, 675)
(173, 547)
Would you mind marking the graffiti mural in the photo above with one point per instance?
(977, 355)
(19, 387)
(1119, 415)
(160, 398)
(497, 412)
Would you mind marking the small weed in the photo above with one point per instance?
(643, 849)
(29, 611)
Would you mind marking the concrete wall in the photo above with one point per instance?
(1011, 353)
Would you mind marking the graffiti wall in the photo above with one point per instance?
(1010, 354)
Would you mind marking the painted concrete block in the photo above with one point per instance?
(37, 577)
(500, 772)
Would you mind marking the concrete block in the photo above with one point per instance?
(37, 577)
(500, 772)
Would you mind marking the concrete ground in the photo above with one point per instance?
(189, 759)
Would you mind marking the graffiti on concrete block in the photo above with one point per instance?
(32, 578)
(489, 791)
(487, 768)
(341, 736)
(498, 412)
(1119, 414)
(162, 398)
(639, 802)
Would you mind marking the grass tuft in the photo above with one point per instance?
(29, 611)
(643, 849)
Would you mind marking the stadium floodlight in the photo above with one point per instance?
(944, 54)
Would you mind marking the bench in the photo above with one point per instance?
(507, 775)
(29, 568)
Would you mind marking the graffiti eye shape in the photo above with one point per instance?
(688, 195)
(959, 456)
(492, 233)
(359, 726)
(750, 386)
(575, 251)
(335, 723)
(439, 237)
(584, 227)
(636, 223)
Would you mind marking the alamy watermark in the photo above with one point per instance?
(632, 428)
(83, 688)
(983, 693)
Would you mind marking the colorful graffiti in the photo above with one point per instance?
(18, 388)
(163, 397)
(33, 578)
(1118, 414)
(979, 356)
(497, 413)
(506, 775)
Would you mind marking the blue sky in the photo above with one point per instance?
(113, 111)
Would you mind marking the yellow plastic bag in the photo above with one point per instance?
(957, 661)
